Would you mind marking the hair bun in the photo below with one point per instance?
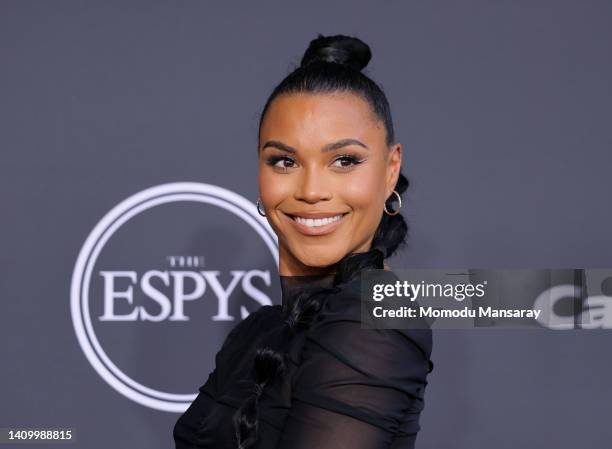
(339, 49)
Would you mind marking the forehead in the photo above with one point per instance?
(322, 117)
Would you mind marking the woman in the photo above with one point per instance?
(305, 374)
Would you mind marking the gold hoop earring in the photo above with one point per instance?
(399, 200)
(259, 211)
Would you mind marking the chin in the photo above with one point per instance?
(319, 259)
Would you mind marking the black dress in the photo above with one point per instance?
(346, 387)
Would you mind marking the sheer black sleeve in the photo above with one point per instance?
(357, 388)
(186, 428)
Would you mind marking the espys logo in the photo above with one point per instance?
(161, 279)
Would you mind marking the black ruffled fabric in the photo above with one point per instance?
(344, 386)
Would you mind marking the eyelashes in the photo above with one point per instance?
(344, 158)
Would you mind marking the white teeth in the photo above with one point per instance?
(317, 221)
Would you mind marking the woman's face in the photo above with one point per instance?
(323, 157)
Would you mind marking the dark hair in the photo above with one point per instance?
(330, 64)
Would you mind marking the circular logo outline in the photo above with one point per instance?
(97, 238)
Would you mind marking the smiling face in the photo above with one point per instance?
(324, 158)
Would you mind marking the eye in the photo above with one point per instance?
(274, 160)
(347, 161)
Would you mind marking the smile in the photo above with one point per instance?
(316, 225)
(314, 222)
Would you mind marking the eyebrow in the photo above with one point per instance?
(329, 147)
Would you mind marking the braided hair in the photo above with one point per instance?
(330, 64)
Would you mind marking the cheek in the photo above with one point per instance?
(273, 188)
(364, 192)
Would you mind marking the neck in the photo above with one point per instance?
(291, 284)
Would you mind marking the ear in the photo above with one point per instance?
(394, 166)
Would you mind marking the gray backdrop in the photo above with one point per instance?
(504, 111)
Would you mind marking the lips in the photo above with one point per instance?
(315, 223)
(315, 214)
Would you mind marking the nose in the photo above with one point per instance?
(313, 185)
